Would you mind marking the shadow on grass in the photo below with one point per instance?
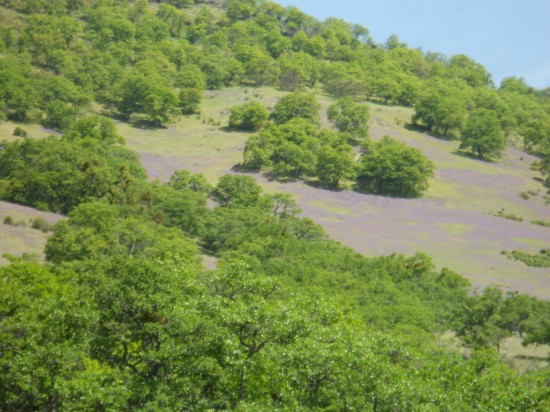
(365, 191)
(318, 185)
(422, 129)
(472, 156)
(145, 125)
(137, 123)
(228, 129)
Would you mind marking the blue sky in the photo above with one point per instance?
(509, 37)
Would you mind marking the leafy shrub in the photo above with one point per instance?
(540, 260)
(540, 223)
(510, 216)
(8, 220)
(42, 225)
(18, 131)
(249, 116)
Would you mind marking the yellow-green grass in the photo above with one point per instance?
(455, 228)
(33, 130)
(19, 237)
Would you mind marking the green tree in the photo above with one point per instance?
(483, 135)
(160, 104)
(349, 117)
(335, 164)
(237, 190)
(249, 116)
(479, 319)
(392, 168)
(59, 115)
(441, 108)
(296, 105)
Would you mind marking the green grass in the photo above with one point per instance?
(33, 130)
(455, 228)
(19, 237)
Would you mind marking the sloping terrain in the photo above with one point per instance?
(452, 223)
(20, 237)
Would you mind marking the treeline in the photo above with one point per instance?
(123, 316)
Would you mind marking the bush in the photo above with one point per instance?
(297, 105)
(392, 168)
(8, 220)
(18, 131)
(249, 116)
(42, 225)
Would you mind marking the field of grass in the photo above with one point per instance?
(20, 237)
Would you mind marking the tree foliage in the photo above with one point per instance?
(483, 135)
(349, 117)
(249, 116)
(391, 168)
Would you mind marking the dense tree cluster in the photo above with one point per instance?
(296, 148)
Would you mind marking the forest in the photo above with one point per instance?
(123, 313)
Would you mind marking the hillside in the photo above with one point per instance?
(451, 223)
(256, 210)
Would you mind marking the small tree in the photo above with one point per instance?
(296, 105)
(350, 117)
(189, 100)
(483, 134)
(237, 190)
(392, 168)
(249, 116)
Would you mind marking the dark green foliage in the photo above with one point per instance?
(189, 101)
(249, 116)
(391, 168)
(442, 108)
(182, 179)
(8, 220)
(42, 225)
(335, 164)
(289, 149)
(59, 115)
(483, 135)
(57, 174)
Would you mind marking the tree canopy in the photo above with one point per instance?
(391, 168)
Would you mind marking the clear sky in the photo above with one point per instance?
(509, 37)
